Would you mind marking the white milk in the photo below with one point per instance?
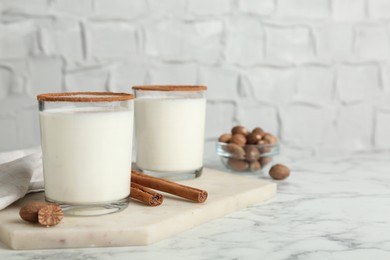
(86, 154)
(169, 134)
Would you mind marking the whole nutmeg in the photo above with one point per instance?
(259, 131)
(270, 139)
(29, 212)
(279, 172)
(264, 147)
(238, 139)
(235, 150)
(254, 166)
(253, 138)
(265, 160)
(240, 130)
(225, 138)
(237, 164)
(251, 153)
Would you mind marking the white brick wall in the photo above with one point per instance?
(62, 38)
(349, 10)
(357, 83)
(5, 81)
(263, 7)
(292, 44)
(16, 39)
(111, 40)
(314, 72)
(312, 9)
(319, 76)
(120, 9)
(204, 7)
(45, 75)
(244, 41)
(175, 40)
(335, 41)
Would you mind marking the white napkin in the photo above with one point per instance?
(20, 173)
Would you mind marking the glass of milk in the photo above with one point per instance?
(86, 150)
(169, 130)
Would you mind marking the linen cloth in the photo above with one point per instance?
(21, 172)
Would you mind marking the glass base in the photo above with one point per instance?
(92, 209)
(174, 176)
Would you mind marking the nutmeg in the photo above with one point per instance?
(29, 212)
(246, 150)
(225, 138)
(251, 153)
(238, 139)
(258, 130)
(46, 214)
(265, 160)
(253, 138)
(235, 150)
(263, 146)
(254, 166)
(270, 139)
(240, 130)
(237, 164)
(50, 215)
(279, 172)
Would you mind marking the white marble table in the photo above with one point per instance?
(328, 209)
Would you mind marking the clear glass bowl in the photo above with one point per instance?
(247, 158)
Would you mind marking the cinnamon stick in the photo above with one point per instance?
(145, 195)
(177, 189)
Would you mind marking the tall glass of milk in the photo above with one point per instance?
(169, 130)
(86, 142)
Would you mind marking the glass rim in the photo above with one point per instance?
(85, 97)
(170, 87)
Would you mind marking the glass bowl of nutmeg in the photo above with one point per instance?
(247, 151)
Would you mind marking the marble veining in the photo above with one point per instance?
(333, 208)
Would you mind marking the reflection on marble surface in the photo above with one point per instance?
(335, 208)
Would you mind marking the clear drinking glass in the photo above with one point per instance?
(86, 149)
(169, 130)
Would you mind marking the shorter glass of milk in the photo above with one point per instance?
(169, 130)
(86, 150)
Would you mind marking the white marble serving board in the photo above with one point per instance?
(137, 224)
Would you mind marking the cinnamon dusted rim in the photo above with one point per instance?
(170, 88)
(85, 97)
